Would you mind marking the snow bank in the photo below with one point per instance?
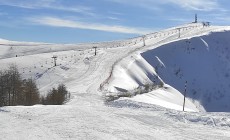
(166, 97)
(130, 73)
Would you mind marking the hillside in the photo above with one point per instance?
(202, 61)
(120, 67)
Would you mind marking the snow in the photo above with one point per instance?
(161, 63)
(119, 65)
(202, 61)
(167, 97)
(205, 43)
(205, 69)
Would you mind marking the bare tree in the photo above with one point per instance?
(31, 93)
(15, 84)
(14, 91)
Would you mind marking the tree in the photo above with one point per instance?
(15, 91)
(31, 93)
(14, 84)
(2, 89)
(63, 93)
(51, 97)
(56, 96)
(11, 85)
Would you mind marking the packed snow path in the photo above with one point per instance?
(86, 116)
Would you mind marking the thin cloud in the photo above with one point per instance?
(47, 4)
(147, 4)
(198, 5)
(179, 20)
(58, 22)
(29, 4)
(222, 19)
(113, 18)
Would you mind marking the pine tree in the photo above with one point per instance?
(56, 96)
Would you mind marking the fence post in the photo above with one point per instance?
(184, 94)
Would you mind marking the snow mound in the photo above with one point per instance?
(130, 73)
(210, 119)
(167, 97)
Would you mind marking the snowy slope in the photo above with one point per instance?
(202, 61)
(167, 97)
(89, 77)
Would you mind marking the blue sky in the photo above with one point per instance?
(76, 21)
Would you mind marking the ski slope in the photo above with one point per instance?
(154, 115)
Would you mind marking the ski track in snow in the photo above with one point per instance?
(206, 44)
(86, 116)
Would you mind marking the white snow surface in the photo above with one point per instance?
(120, 66)
(167, 97)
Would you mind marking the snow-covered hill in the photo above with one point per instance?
(201, 60)
(204, 62)
(122, 66)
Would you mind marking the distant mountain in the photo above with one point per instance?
(3, 40)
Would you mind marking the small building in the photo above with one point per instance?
(206, 24)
